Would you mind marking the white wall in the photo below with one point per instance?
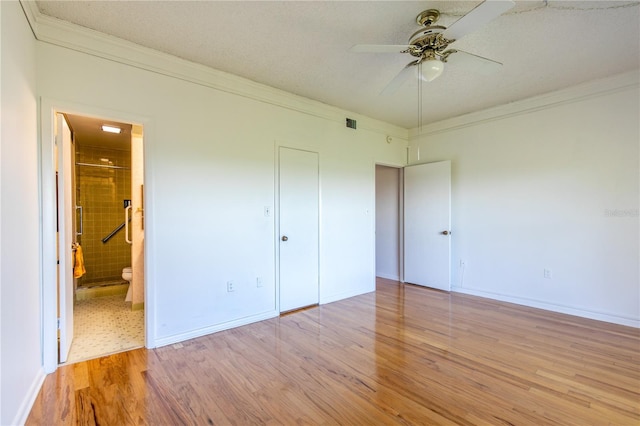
(551, 182)
(21, 371)
(387, 222)
(209, 172)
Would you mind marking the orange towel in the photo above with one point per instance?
(78, 263)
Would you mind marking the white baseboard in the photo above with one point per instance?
(27, 404)
(340, 296)
(600, 316)
(176, 338)
(395, 277)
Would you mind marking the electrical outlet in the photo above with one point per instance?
(258, 281)
(548, 274)
(230, 286)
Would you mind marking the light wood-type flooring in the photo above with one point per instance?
(404, 355)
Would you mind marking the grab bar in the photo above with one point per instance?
(81, 221)
(127, 219)
(112, 233)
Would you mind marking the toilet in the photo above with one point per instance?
(127, 275)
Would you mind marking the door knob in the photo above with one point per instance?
(445, 232)
(285, 238)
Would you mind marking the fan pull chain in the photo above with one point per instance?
(419, 99)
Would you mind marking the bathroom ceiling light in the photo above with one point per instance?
(111, 129)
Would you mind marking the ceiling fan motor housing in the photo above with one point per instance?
(428, 42)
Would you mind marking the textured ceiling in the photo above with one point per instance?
(303, 47)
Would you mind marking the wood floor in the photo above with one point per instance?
(403, 355)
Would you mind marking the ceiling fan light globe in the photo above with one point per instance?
(430, 69)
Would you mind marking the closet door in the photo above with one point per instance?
(299, 228)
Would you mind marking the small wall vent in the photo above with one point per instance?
(351, 123)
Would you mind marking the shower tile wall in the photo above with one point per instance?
(101, 192)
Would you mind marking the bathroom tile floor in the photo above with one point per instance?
(105, 325)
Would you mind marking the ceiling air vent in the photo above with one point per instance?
(351, 123)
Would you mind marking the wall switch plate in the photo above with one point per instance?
(258, 281)
(267, 211)
(548, 274)
(230, 286)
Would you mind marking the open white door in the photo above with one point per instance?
(427, 225)
(299, 216)
(66, 234)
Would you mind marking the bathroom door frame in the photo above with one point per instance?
(48, 254)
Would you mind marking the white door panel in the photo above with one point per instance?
(427, 216)
(66, 234)
(299, 219)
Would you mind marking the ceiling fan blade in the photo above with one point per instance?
(379, 48)
(474, 63)
(481, 15)
(405, 74)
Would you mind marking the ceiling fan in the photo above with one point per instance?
(430, 44)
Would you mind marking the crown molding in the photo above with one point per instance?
(71, 36)
(592, 89)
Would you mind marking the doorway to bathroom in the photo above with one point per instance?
(101, 201)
